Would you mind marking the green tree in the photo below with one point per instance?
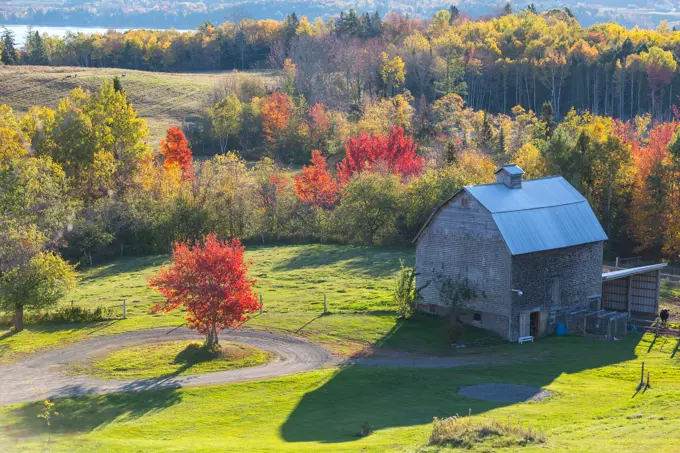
(9, 55)
(369, 207)
(39, 283)
(226, 119)
(36, 52)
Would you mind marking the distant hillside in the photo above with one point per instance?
(180, 14)
(163, 99)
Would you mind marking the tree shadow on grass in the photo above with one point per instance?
(124, 265)
(365, 260)
(406, 396)
(86, 413)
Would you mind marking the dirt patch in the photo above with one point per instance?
(504, 393)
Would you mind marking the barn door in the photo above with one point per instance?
(524, 324)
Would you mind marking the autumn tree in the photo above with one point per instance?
(209, 279)
(176, 151)
(30, 276)
(395, 153)
(226, 119)
(315, 184)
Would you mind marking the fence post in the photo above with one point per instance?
(617, 263)
(260, 303)
(124, 308)
(325, 307)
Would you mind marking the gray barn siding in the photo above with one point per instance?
(464, 242)
(578, 269)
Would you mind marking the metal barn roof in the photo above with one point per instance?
(613, 275)
(534, 194)
(544, 214)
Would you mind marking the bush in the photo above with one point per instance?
(405, 294)
(73, 314)
(466, 432)
(366, 429)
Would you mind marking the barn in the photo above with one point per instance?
(530, 249)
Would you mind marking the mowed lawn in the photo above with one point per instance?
(163, 99)
(357, 282)
(594, 407)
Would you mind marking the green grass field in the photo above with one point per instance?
(594, 407)
(163, 99)
(174, 358)
(357, 282)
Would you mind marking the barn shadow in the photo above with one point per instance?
(401, 397)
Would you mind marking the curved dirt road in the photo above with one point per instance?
(43, 370)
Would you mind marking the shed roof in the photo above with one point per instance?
(613, 275)
(545, 214)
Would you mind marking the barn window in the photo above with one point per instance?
(464, 202)
(477, 317)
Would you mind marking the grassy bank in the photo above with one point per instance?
(594, 407)
(292, 280)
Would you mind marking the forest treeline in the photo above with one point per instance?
(83, 177)
(521, 58)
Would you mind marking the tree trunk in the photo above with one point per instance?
(211, 338)
(19, 318)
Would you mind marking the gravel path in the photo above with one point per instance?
(44, 370)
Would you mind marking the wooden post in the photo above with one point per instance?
(642, 375)
(260, 303)
(630, 295)
(617, 263)
(124, 308)
(325, 307)
(649, 385)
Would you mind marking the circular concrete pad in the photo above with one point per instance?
(504, 393)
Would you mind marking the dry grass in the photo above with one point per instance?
(467, 432)
(162, 98)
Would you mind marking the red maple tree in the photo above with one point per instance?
(210, 281)
(175, 149)
(396, 154)
(315, 184)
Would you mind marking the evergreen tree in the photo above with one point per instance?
(9, 54)
(501, 141)
(290, 26)
(37, 53)
(117, 85)
(548, 118)
(532, 8)
(507, 10)
(486, 133)
(376, 25)
(453, 14)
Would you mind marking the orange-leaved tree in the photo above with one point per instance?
(315, 184)
(209, 279)
(396, 154)
(175, 149)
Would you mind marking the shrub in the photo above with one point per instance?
(366, 429)
(74, 314)
(465, 432)
(405, 293)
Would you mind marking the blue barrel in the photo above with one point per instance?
(560, 329)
